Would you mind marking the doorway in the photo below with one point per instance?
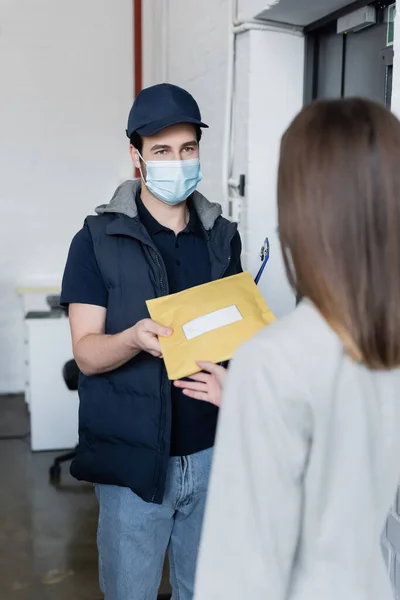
(350, 64)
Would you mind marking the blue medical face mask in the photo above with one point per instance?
(172, 181)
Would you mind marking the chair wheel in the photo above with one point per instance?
(55, 473)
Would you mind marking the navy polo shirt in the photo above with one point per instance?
(187, 263)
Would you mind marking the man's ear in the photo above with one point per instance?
(135, 157)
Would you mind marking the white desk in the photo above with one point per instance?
(53, 408)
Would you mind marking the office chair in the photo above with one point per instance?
(71, 377)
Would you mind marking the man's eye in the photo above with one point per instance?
(189, 149)
(161, 152)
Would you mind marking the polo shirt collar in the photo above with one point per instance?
(153, 226)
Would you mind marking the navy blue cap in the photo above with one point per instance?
(160, 106)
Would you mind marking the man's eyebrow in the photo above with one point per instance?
(191, 143)
(160, 147)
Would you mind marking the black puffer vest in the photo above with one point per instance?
(125, 415)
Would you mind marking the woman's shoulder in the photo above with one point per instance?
(294, 350)
(302, 332)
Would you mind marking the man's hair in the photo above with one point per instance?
(137, 141)
(339, 222)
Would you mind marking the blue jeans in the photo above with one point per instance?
(133, 536)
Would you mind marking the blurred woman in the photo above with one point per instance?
(307, 460)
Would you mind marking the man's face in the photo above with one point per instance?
(178, 142)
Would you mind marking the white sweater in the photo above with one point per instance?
(306, 466)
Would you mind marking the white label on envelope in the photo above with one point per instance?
(211, 321)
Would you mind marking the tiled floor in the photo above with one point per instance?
(47, 534)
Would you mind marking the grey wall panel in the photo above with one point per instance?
(330, 66)
(364, 68)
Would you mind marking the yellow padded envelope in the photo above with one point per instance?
(209, 322)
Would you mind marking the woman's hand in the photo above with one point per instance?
(206, 386)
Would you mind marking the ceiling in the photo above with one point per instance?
(301, 12)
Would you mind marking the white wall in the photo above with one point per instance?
(66, 88)
(154, 31)
(275, 97)
(240, 134)
(250, 9)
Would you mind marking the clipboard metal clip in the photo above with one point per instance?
(264, 249)
(264, 255)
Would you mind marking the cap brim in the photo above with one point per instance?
(152, 128)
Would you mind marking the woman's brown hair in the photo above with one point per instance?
(339, 221)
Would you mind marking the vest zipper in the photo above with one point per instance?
(161, 268)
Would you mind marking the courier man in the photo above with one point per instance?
(145, 445)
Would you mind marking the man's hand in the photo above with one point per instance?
(97, 352)
(206, 386)
(145, 336)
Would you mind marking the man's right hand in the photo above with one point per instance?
(145, 336)
(97, 352)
